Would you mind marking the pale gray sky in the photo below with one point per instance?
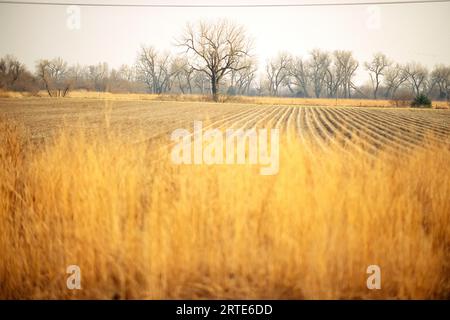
(408, 32)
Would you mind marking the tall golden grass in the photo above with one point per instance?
(141, 227)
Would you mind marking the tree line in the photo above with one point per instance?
(217, 58)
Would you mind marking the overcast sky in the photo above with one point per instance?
(408, 32)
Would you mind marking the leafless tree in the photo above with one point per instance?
(10, 71)
(14, 76)
(333, 79)
(299, 76)
(346, 66)
(394, 77)
(98, 76)
(277, 71)
(55, 76)
(242, 79)
(216, 49)
(262, 85)
(318, 66)
(377, 68)
(182, 74)
(339, 74)
(417, 75)
(80, 76)
(153, 69)
(127, 73)
(201, 82)
(440, 77)
(122, 79)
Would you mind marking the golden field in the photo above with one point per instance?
(141, 227)
(259, 100)
(350, 128)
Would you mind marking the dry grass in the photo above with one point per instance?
(140, 227)
(12, 94)
(229, 99)
(250, 100)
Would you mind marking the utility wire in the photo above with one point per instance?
(321, 4)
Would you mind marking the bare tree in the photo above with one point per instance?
(339, 73)
(216, 49)
(318, 66)
(394, 77)
(15, 76)
(127, 73)
(299, 76)
(98, 75)
(182, 74)
(377, 68)
(80, 76)
(201, 82)
(153, 69)
(122, 79)
(10, 71)
(262, 85)
(346, 66)
(440, 76)
(417, 76)
(242, 79)
(333, 79)
(55, 76)
(277, 71)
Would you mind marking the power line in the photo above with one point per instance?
(332, 4)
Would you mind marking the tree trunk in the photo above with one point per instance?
(214, 88)
(47, 88)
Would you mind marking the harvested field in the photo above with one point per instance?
(266, 100)
(349, 128)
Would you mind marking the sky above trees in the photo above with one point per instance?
(413, 32)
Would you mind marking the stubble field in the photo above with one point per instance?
(350, 128)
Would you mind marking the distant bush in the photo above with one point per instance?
(402, 99)
(26, 83)
(421, 101)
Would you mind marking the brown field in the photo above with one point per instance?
(89, 182)
(351, 128)
(225, 99)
